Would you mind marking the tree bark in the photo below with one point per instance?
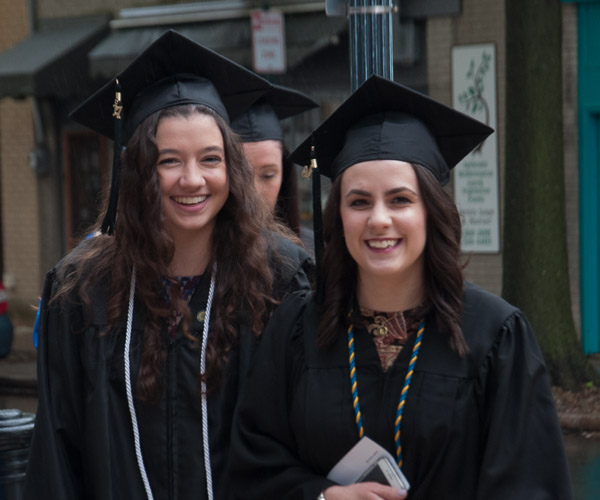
(535, 275)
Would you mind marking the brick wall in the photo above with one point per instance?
(481, 21)
(20, 219)
(18, 188)
(14, 22)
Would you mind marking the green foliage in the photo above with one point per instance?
(472, 99)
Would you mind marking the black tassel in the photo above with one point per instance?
(317, 224)
(108, 224)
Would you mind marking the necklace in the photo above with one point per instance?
(382, 323)
(403, 393)
(129, 391)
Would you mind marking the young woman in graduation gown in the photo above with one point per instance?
(397, 346)
(147, 329)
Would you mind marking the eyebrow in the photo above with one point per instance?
(360, 192)
(207, 149)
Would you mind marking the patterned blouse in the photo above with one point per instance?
(390, 331)
(187, 285)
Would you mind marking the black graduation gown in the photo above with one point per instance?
(479, 427)
(82, 447)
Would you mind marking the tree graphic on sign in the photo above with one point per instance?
(472, 98)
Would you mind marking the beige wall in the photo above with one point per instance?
(13, 22)
(18, 187)
(481, 21)
(20, 220)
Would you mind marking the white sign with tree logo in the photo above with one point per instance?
(476, 177)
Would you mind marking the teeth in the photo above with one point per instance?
(189, 200)
(382, 243)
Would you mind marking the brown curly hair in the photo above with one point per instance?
(443, 268)
(244, 278)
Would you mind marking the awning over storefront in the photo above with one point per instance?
(52, 61)
(306, 33)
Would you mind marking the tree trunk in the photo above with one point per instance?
(535, 276)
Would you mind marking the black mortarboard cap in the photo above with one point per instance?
(173, 70)
(383, 119)
(261, 121)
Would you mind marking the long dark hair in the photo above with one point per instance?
(243, 280)
(443, 268)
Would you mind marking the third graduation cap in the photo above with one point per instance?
(261, 121)
(173, 70)
(385, 120)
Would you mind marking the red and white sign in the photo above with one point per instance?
(268, 41)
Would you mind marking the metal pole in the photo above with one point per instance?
(371, 40)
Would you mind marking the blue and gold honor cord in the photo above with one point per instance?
(405, 387)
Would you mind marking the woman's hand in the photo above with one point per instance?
(364, 491)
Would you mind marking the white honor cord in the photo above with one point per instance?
(136, 433)
(207, 464)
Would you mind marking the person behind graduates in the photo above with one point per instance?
(397, 346)
(264, 147)
(147, 329)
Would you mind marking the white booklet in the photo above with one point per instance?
(367, 461)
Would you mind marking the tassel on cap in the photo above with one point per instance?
(108, 224)
(317, 222)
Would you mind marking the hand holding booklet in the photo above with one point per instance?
(367, 461)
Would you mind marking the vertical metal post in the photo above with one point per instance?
(371, 40)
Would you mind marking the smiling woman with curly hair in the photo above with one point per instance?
(147, 329)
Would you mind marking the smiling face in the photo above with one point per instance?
(192, 172)
(266, 158)
(384, 221)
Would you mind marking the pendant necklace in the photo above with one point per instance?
(382, 324)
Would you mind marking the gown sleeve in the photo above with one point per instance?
(54, 468)
(523, 450)
(301, 279)
(293, 267)
(264, 462)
